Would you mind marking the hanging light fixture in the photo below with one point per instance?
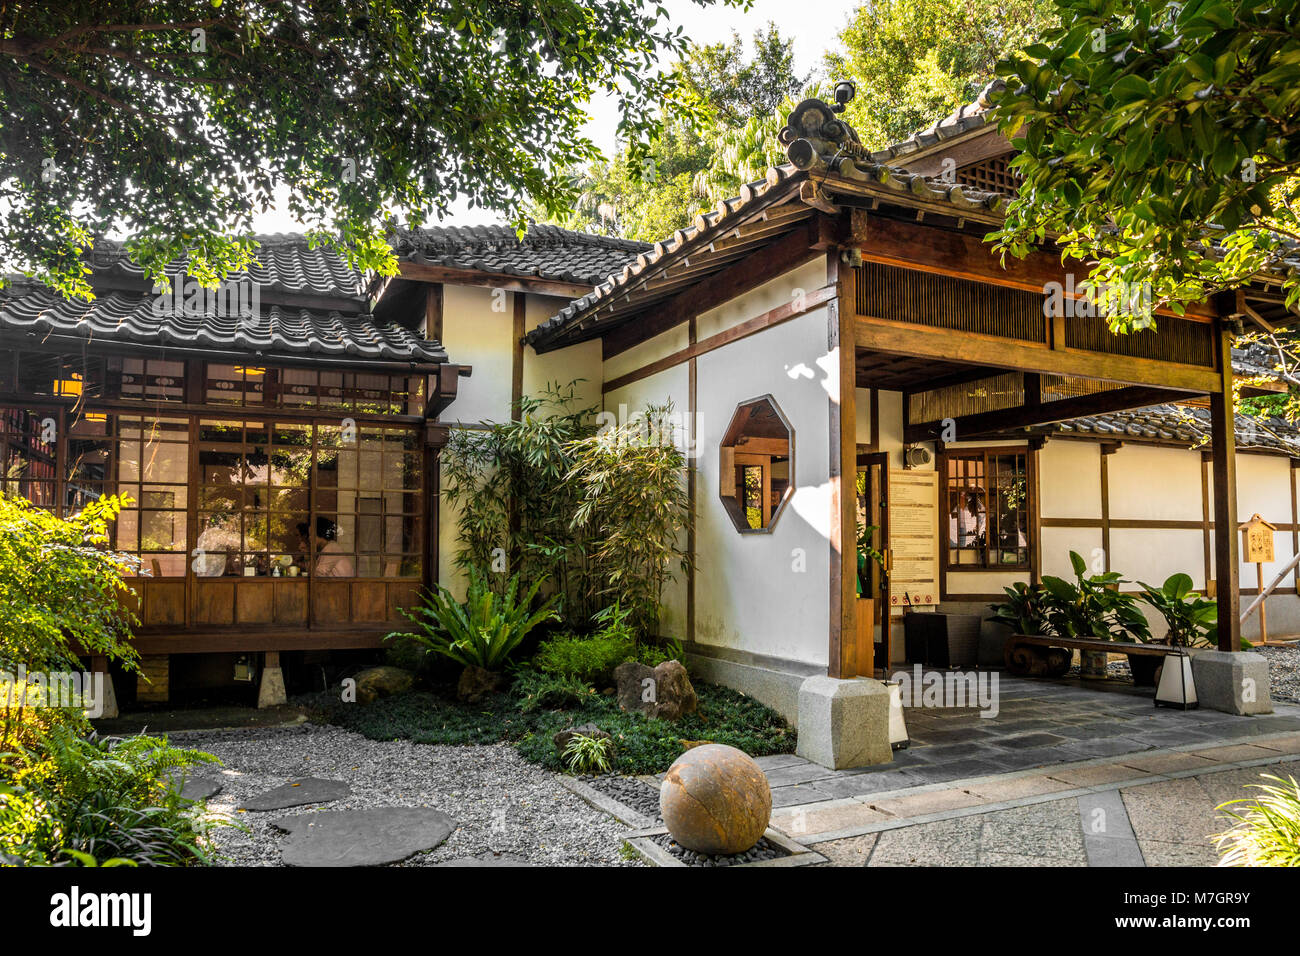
(68, 387)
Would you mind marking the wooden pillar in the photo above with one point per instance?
(1224, 451)
(517, 354)
(1295, 525)
(692, 465)
(843, 472)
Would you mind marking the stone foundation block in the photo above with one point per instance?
(844, 723)
(1235, 682)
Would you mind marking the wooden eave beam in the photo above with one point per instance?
(984, 424)
(749, 273)
(920, 248)
(421, 272)
(973, 348)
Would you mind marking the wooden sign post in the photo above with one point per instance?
(1257, 548)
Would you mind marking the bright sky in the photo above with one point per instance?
(813, 24)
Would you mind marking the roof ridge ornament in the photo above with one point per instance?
(814, 131)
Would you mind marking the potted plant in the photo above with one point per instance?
(1092, 606)
(1022, 612)
(1192, 621)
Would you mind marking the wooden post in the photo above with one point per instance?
(517, 354)
(1224, 451)
(843, 656)
(1263, 605)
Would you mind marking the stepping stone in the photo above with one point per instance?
(297, 793)
(370, 837)
(488, 859)
(195, 788)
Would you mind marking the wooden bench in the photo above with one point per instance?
(1035, 655)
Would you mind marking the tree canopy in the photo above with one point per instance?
(915, 61)
(176, 121)
(1159, 141)
(719, 89)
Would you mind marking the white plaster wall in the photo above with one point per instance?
(1069, 479)
(768, 593)
(476, 335)
(1057, 543)
(1155, 482)
(1153, 554)
(803, 279)
(651, 350)
(562, 366)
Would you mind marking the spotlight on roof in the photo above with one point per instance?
(844, 91)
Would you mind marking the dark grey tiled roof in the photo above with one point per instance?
(285, 263)
(971, 116)
(1255, 360)
(1183, 424)
(545, 252)
(312, 306)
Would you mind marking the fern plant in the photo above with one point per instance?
(483, 631)
(72, 798)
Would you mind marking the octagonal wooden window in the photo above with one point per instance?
(756, 470)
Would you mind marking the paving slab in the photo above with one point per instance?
(1108, 838)
(1167, 762)
(1026, 741)
(195, 786)
(1235, 753)
(298, 793)
(1014, 788)
(372, 837)
(1289, 744)
(931, 801)
(487, 859)
(1094, 776)
(850, 851)
(844, 815)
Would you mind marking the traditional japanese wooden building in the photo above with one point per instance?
(277, 438)
(843, 344)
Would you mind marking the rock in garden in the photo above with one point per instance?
(362, 837)
(476, 683)
(664, 691)
(715, 799)
(376, 682)
(562, 739)
(298, 793)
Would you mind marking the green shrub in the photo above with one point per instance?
(482, 632)
(589, 659)
(645, 745)
(1268, 833)
(584, 754)
(73, 799)
(536, 690)
(60, 587)
(652, 655)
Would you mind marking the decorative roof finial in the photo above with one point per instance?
(812, 130)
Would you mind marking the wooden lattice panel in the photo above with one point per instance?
(993, 175)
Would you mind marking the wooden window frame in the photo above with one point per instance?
(1031, 502)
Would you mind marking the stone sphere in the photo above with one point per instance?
(715, 799)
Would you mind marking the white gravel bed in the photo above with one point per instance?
(501, 803)
(1283, 671)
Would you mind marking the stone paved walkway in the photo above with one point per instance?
(1067, 774)
(1038, 724)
